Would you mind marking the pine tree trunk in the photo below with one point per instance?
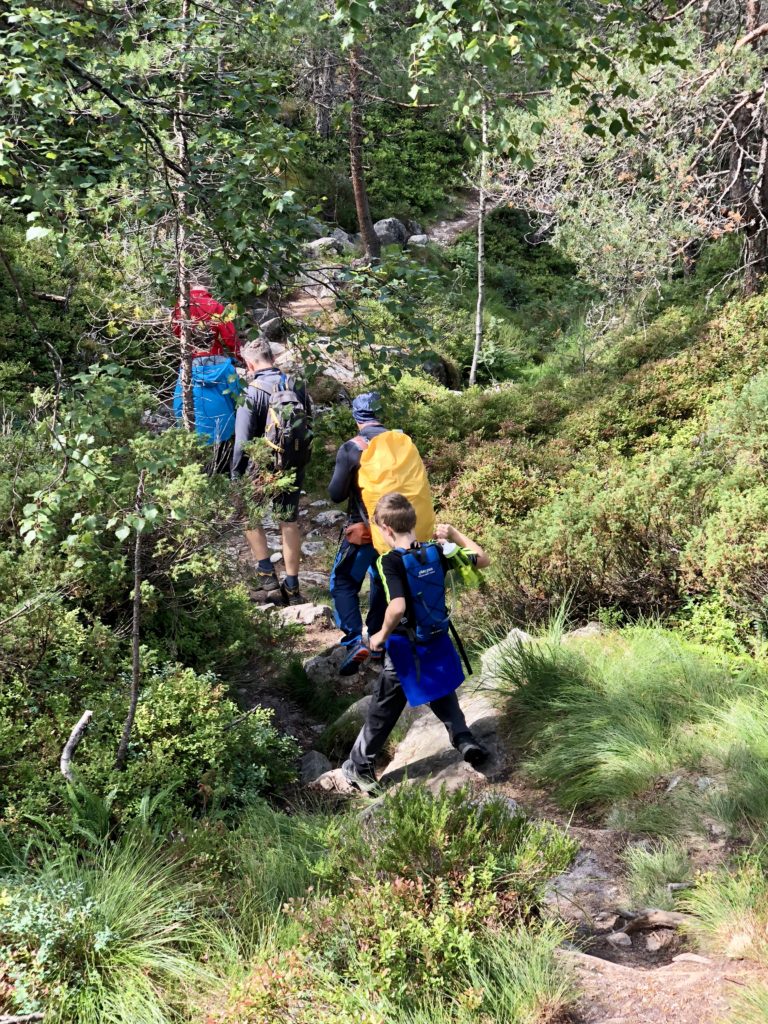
(182, 215)
(356, 134)
(125, 739)
(481, 208)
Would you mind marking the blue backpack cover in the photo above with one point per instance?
(427, 664)
(215, 387)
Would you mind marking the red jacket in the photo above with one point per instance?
(204, 309)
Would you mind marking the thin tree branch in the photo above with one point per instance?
(71, 746)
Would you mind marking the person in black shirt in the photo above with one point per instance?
(396, 518)
(251, 422)
(356, 555)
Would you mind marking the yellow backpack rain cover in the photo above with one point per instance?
(391, 462)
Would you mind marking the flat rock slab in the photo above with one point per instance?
(592, 887)
(681, 992)
(313, 765)
(306, 614)
(426, 754)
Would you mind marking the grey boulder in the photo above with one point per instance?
(391, 231)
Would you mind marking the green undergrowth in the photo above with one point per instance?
(653, 731)
(426, 912)
(651, 868)
(626, 470)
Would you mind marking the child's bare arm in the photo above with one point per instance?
(446, 532)
(392, 617)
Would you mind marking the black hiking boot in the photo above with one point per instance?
(363, 779)
(292, 595)
(472, 750)
(266, 588)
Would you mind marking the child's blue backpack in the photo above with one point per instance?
(426, 661)
(426, 582)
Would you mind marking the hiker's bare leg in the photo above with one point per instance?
(257, 541)
(291, 547)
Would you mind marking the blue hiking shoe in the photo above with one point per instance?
(356, 655)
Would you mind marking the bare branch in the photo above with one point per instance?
(69, 749)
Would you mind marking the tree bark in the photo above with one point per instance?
(71, 745)
(481, 207)
(182, 214)
(125, 739)
(324, 94)
(356, 133)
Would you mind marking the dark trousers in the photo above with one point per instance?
(386, 707)
(353, 561)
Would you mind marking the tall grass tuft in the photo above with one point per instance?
(731, 910)
(615, 718)
(650, 869)
(114, 939)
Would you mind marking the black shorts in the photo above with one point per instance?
(285, 506)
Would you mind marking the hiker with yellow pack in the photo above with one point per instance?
(377, 461)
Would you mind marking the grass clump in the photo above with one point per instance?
(116, 939)
(730, 907)
(628, 721)
(651, 868)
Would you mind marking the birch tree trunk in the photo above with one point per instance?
(182, 215)
(370, 239)
(481, 207)
(125, 739)
(324, 94)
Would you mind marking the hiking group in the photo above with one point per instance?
(390, 535)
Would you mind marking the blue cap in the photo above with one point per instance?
(366, 407)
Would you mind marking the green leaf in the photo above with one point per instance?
(122, 531)
(37, 232)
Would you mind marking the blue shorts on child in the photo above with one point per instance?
(426, 671)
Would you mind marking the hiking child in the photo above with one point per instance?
(421, 664)
(277, 408)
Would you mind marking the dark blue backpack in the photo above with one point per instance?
(426, 582)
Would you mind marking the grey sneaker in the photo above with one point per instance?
(472, 750)
(364, 780)
(266, 587)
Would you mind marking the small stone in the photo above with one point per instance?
(320, 503)
(674, 782)
(334, 782)
(317, 579)
(313, 765)
(305, 614)
(704, 783)
(276, 557)
(619, 940)
(591, 629)
(418, 240)
(322, 246)
(329, 518)
(312, 547)
(690, 958)
(658, 940)
(606, 922)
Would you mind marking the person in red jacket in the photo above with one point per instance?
(212, 334)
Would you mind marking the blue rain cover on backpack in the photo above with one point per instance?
(215, 387)
(425, 671)
(426, 582)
